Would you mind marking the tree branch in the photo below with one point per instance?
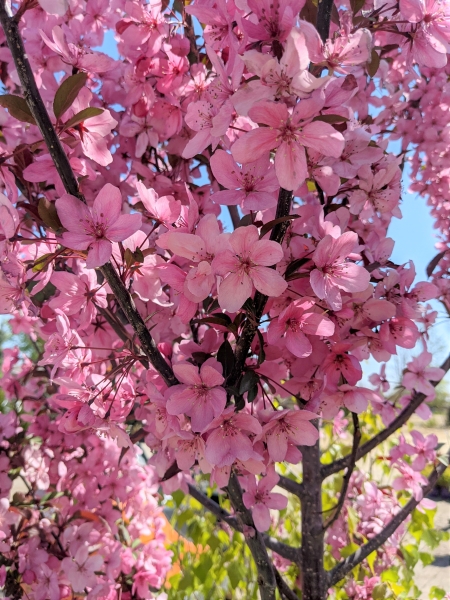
(344, 567)
(291, 486)
(283, 587)
(400, 420)
(234, 215)
(40, 114)
(287, 552)
(356, 439)
(266, 576)
(259, 301)
(323, 18)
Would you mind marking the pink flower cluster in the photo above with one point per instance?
(76, 515)
(159, 142)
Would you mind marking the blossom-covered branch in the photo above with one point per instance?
(414, 403)
(363, 552)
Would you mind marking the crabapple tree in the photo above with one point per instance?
(194, 239)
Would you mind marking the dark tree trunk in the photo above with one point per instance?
(313, 573)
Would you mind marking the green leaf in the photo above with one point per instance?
(225, 356)
(372, 66)
(249, 380)
(138, 255)
(42, 263)
(252, 393)
(443, 459)
(271, 224)
(436, 593)
(234, 574)
(84, 114)
(380, 592)
(18, 108)
(48, 213)
(356, 5)
(67, 92)
(128, 257)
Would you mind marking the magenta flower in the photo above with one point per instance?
(334, 272)
(289, 134)
(247, 267)
(294, 322)
(288, 427)
(94, 229)
(229, 438)
(256, 181)
(260, 499)
(200, 395)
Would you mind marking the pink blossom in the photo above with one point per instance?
(431, 37)
(71, 54)
(288, 426)
(94, 229)
(289, 134)
(80, 569)
(201, 396)
(247, 267)
(334, 272)
(259, 498)
(419, 375)
(256, 181)
(229, 439)
(297, 321)
(410, 480)
(79, 295)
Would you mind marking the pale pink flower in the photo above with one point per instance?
(229, 439)
(256, 182)
(431, 36)
(410, 480)
(163, 209)
(55, 7)
(288, 427)
(398, 331)
(79, 295)
(277, 79)
(206, 119)
(297, 321)
(81, 568)
(289, 134)
(95, 228)
(419, 375)
(259, 498)
(334, 272)
(200, 396)
(338, 362)
(47, 587)
(73, 55)
(247, 266)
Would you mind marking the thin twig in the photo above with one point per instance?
(347, 565)
(348, 474)
(398, 422)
